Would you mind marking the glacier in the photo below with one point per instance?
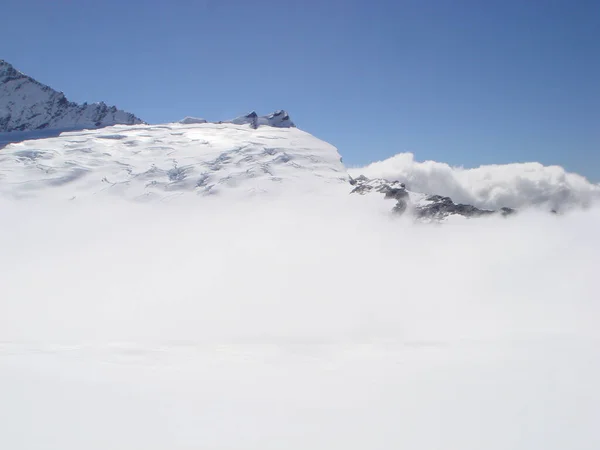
(160, 162)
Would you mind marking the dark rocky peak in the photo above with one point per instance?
(278, 119)
(423, 207)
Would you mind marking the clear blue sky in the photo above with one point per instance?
(464, 82)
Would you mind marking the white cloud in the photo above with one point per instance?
(297, 323)
(492, 186)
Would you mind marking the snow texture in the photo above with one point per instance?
(489, 187)
(26, 104)
(162, 162)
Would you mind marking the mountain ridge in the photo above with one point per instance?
(277, 119)
(29, 105)
(164, 162)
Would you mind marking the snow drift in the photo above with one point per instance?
(492, 186)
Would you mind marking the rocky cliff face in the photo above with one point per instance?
(26, 104)
(423, 207)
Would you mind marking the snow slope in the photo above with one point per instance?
(164, 161)
(26, 104)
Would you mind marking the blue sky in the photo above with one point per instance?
(464, 82)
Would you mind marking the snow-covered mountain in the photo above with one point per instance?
(26, 104)
(163, 162)
(256, 289)
(158, 162)
(265, 155)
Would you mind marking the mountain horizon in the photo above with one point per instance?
(29, 105)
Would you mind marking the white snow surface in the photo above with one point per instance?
(26, 104)
(495, 186)
(300, 318)
(161, 162)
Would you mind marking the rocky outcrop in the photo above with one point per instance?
(278, 119)
(423, 207)
(192, 120)
(439, 207)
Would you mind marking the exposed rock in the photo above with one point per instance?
(422, 206)
(192, 120)
(278, 119)
(440, 207)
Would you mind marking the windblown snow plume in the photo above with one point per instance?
(492, 186)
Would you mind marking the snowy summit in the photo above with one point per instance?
(26, 105)
(146, 162)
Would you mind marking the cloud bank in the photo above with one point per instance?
(295, 323)
(492, 186)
